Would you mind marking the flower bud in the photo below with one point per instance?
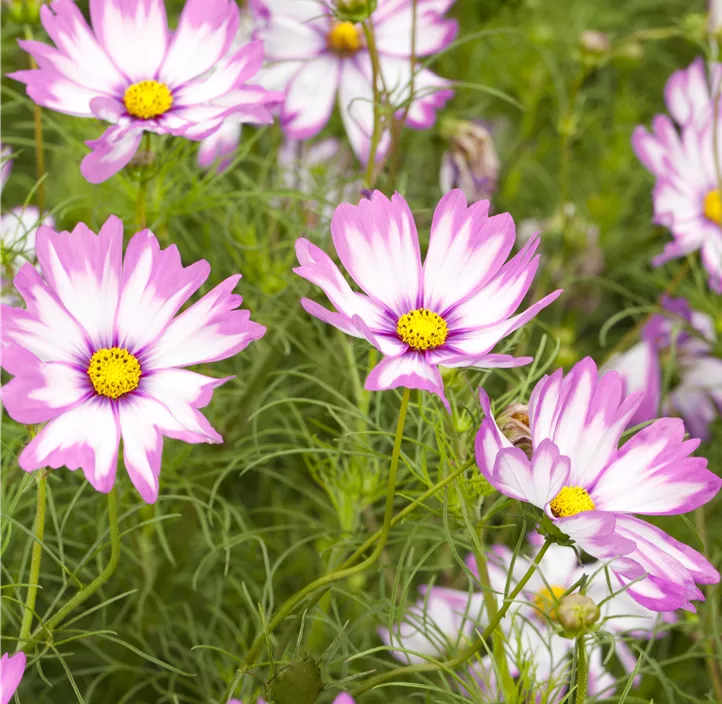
(593, 42)
(577, 613)
(514, 425)
(471, 162)
(298, 683)
(354, 10)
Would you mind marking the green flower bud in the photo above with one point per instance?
(354, 10)
(577, 613)
(297, 683)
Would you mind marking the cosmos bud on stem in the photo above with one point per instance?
(577, 613)
(354, 10)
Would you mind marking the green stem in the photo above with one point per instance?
(290, 604)
(141, 214)
(370, 177)
(39, 140)
(497, 637)
(37, 555)
(582, 669)
(84, 594)
(467, 653)
(708, 620)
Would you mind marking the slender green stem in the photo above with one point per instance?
(582, 678)
(465, 654)
(39, 141)
(141, 214)
(708, 618)
(370, 176)
(37, 555)
(84, 594)
(497, 637)
(290, 604)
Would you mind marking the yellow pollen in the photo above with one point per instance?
(548, 599)
(421, 329)
(114, 371)
(344, 38)
(713, 207)
(570, 501)
(147, 99)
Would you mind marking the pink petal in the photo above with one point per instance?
(155, 285)
(654, 474)
(134, 33)
(378, 244)
(209, 330)
(85, 437)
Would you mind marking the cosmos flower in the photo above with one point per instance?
(12, 669)
(471, 162)
(590, 487)
(687, 197)
(559, 571)
(17, 234)
(316, 59)
(450, 312)
(99, 352)
(697, 397)
(129, 70)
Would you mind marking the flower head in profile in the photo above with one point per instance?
(684, 160)
(697, 396)
(131, 71)
(318, 59)
(590, 487)
(451, 311)
(17, 234)
(12, 669)
(471, 161)
(99, 352)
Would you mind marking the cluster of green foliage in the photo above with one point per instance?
(300, 479)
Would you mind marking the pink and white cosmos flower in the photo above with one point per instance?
(451, 311)
(12, 670)
(697, 398)
(99, 352)
(131, 71)
(317, 59)
(684, 160)
(591, 488)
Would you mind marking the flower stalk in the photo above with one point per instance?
(370, 176)
(84, 594)
(582, 671)
(35, 559)
(467, 653)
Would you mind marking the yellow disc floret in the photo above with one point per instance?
(713, 207)
(344, 38)
(548, 599)
(570, 501)
(422, 329)
(114, 371)
(147, 99)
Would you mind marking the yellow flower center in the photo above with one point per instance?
(114, 371)
(548, 599)
(570, 501)
(421, 329)
(147, 99)
(344, 38)
(713, 207)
